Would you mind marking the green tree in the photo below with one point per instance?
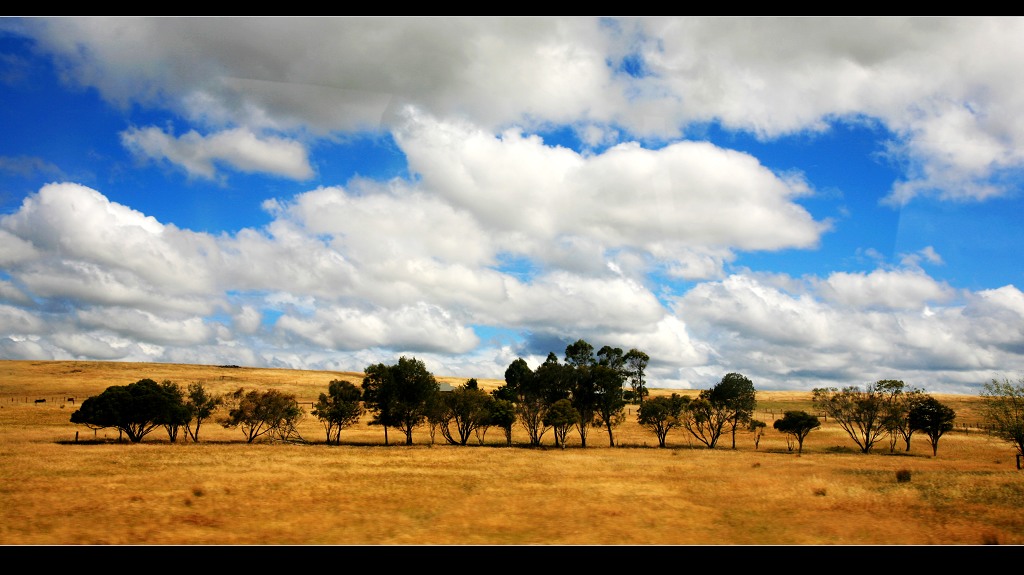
(729, 402)
(401, 394)
(339, 408)
(201, 406)
(579, 356)
(756, 427)
(900, 400)
(466, 409)
(736, 395)
(860, 412)
(662, 414)
(503, 415)
(177, 415)
(1004, 410)
(379, 397)
(134, 410)
(438, 415)
(522, 387)
(610, 404)
(257, 413)
(797, 424)
(560, 418)
(636, 365)
(931, 417)
(704, 420)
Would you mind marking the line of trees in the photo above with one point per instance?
(886, 408)
(585, 391)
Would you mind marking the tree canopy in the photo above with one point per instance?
(662, 414)
(1004, 410)
(797, 424)
(258, 413)
(860, 412)
(400, 395)
(339, 408)
(932, 417)
(135, 409)
(729, 402)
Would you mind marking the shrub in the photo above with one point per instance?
(903, 476)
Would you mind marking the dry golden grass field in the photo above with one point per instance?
(222, 491)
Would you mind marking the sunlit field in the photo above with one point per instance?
(64, 484)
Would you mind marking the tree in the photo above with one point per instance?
(1004, 411)
(438, 415)
(736, 395)
(797, 424)
(636, 364)
(560, 418)
(900, 400)
(177, 415)
(860, 412)
(579, 356)
(135, 409)
(465, 408)
(339, 408)
(729, 402)
(704, 420)
(401, 394)
(756, 426)
(503, 414)
(662, 414)
(610, 404)
(258, 413)
(522, 387)
(931, 417)
(378, 396)
(200, 405)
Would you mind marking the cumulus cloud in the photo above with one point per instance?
(688, 202)
(897, 289)
(239, 148)
(938, 85)
(494, 226)
(798, 339)
(419, 327)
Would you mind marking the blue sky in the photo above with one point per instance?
(807, 201)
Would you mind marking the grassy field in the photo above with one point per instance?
(63, 484)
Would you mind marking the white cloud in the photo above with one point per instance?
(148, 327)
(938, 85)
(418, 327)
(239, 148)
(247, 320)
(897, 289)
(798, 340)
(79, 236)
(687, 202)
(14, 320)
(87, 346)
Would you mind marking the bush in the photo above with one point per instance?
(903, 476)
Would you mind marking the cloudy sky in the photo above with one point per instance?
(809, 202)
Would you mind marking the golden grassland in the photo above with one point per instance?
(222, 491)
